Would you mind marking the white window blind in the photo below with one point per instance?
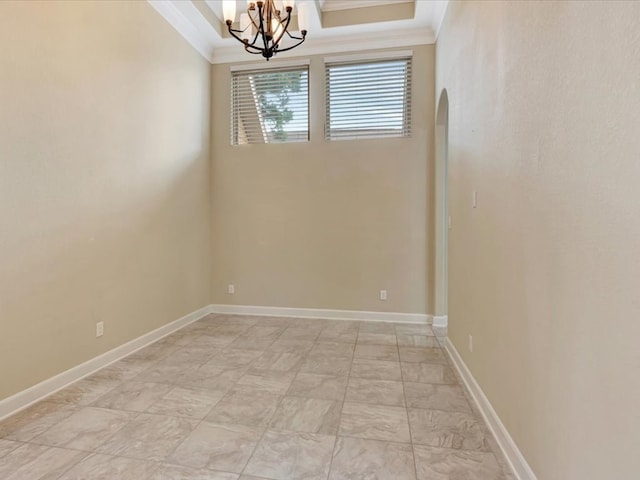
(269, 106)
(368, 99)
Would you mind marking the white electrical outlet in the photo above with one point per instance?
(99, 329)
(383, 294)
(471, 343)
(231, 289)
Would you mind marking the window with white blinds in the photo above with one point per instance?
(368, 99)
(269, 106)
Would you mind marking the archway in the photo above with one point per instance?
(441, 210)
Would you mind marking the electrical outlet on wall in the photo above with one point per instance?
(383, 294)
(471, 343)
(99, 329)
(231, 289)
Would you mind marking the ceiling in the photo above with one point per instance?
(334, 25)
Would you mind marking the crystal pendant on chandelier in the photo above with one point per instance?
(265, 25)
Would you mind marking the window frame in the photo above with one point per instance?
(369, 59)
(274, 67)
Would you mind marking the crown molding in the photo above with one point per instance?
(185, 27)
(358, 43)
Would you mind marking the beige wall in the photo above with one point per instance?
(544, 116)
(104, 181)
(323, 224)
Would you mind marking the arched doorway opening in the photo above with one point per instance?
(441, 210)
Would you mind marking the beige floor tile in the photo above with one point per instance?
(377, 392)
(212, 377)
(377, 327)
(267, 381)
(176, 472)
(213, 339)
(229, 329)
(448, 398)
(246, 342)
(301, 333)
(234, 358)
(423, 355)
(311, 415)
(187, 402)
(24, 455)
(309, 323)
(287, 456)
(154, 351)
(360, 459)
(376, 369)
(282, 322)
(34, 420)
(6, 446)
(417, 341)
(332, 350)
(105, 467)
(252, 477)
(387, 353)
(375, 422)
(262, 331)
(242, 320)
(278, 361)
(301, 347)
(244, 407)
(85, 429)
(164, 373)
(447, 464)
(428, 373)
(191, 355)
(84, 392)
(436, 428)
(124, 370)
(408, 329)
(323, 365)
(133, 396)
(332, 334)
(311, 385)
(220, 447)
(37, 462)
(376, 338)
(149, 437)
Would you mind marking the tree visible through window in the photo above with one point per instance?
(270, 106)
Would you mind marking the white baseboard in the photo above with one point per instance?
(440, 321)
(323, 314)
(514, 457)
(25, 398)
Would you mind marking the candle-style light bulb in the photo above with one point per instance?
(229, 10)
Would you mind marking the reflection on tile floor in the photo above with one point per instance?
(251, 398)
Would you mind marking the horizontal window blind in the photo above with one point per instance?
(269, 106)
(368, 99)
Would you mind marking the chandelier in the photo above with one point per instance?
(265, 25)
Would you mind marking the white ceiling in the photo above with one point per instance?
(334, 26)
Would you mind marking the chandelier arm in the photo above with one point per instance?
(233, 31)
(284, 28)
(293, 36)
(292, 46)
(253, 21)
(248, 46)
(261, 29)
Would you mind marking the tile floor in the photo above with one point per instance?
(250, 398)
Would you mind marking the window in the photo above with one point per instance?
(270, 106)
(368, 99)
